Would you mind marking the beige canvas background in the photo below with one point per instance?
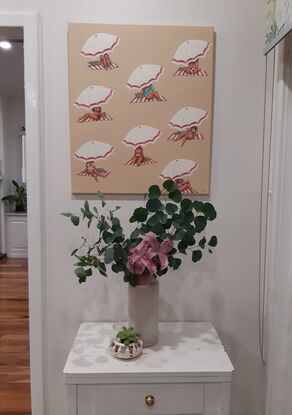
(139, 45)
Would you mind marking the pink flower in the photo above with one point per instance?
(148, 254)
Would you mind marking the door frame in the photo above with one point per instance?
(31, 24)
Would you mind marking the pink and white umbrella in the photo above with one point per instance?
(191, 50)
(98, 44)
(144, 75)
(176, 169)
(93, 150)
(141, 135)
(188, 117)
(93, 96)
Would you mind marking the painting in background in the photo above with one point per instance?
(140, 100)
(278, 21)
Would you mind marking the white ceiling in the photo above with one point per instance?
(11, 63)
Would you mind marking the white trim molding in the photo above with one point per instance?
(33, 119)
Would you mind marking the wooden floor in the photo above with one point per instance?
(14, 340)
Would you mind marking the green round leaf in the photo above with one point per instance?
(209, 211)
(178, 219)
(169, 185)
(174, 263)
(75, 220)
(182, 245)
(109, 255)
(135, 234)
(154, 220)
(158, 230)
(175, 195)
(189, 239)
(198, 206)
(154, 192)
(162, 217)
(80, 272)
(179, 234)
(188, 218)
(200, 223)
(108, 237)
(117, 268)
(153, 205)
(186, 205)
(202, 243)
(139, 215)
(196, 256)
(177, 263)
(171, 208)
(213, 241)
(167, 224)
(161, 272)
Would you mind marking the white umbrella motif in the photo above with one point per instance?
(99, 43)
(191, 50)
(144, 75)
(141, 135)
(93, 96)
(188, 117)
(178, 168)
(93, 150)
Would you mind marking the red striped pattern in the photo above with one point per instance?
(174, 136)
(139, 100)
(182, 72)
(98, 66)
(104, 117)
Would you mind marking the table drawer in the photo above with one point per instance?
(176, 399)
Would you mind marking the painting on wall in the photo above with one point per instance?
(140, 100)
(278, 21)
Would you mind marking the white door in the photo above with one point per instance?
(279, 253)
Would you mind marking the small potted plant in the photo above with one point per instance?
(19, 198)
(126, 344)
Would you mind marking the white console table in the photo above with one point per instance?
(187, 373)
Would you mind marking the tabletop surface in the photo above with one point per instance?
(184, 349)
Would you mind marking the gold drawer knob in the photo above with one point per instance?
(149, 399)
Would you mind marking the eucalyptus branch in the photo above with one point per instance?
(167, 217)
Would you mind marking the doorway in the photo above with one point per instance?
(14, 320)
(30, 24)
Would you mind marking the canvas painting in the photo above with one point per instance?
(140, 100)
(278, 21)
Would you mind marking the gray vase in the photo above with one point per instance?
(143, 308)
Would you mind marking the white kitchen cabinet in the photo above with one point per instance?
(187, 373)
(16, 235)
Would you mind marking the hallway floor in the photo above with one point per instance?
(14, 338)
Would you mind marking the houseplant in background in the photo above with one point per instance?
(126, 344)
(19, 198)
(166, 227)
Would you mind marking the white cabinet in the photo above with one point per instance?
(187, 373)
(16, 235)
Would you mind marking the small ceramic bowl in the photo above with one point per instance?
(122, 351)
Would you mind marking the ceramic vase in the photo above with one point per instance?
(143, 307)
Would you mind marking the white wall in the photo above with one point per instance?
(13, 120)
(223, 289)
